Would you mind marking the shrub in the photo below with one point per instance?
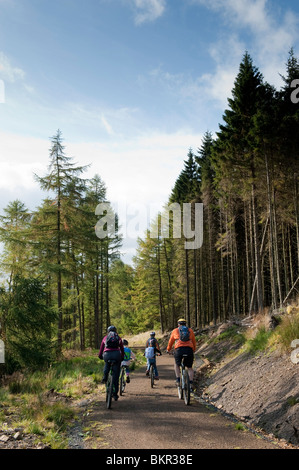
(288, 330)
(260, 341)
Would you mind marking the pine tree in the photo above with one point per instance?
(234, 154)
(62, 172)
(14, 234)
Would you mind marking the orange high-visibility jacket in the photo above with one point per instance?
(175, 338)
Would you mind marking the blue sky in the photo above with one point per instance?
(132, 85)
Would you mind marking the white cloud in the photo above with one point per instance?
(271, 38)
(20, 158)
(148, 10)
(8, 71)
(138, 169)
(138, 172)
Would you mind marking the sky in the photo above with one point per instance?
(131, 84)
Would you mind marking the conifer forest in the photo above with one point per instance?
(61, 285)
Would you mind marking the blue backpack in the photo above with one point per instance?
(184, 333)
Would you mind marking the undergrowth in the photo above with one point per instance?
(25, 397)
(277, 339)
(261, 338)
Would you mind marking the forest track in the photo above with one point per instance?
(146, 418)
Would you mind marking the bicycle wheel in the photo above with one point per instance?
(180, 386)
(122, 381)
(109, 391)
(186, 390)
(152, 375)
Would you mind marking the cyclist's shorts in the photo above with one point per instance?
(112, 355)
(179, 352)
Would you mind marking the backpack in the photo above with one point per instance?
(149, 352)
(112, 340)
(152, 342)
(184, 333)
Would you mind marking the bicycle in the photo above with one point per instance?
(184, 385)
(152, 374)
(122, 380)
(109, 385)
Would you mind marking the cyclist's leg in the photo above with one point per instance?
(189, 365)
(115, 356)
(156, 369)
(106, 367)
(177, 364)
(116, 372)
(128, 373)
(147, 366)
(191, 374)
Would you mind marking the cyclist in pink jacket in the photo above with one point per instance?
(112, 349)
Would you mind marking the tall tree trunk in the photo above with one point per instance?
(97, 336)
(296, 207)
(172, 323)
(107, 287)
(256, 248)
(160, 287)
(276, 251)
(195, 287)
(271, 245)
(59, 281)
(187, 287)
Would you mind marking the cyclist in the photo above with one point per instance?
(152, 342)
(182, 345)
(112, 348)
(128, 355)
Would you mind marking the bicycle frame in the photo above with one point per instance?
(152, 374)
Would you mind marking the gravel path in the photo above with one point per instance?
(146, 418)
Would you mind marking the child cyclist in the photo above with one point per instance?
(151, 349)
(128, 355)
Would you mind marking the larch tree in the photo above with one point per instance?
(62, 171)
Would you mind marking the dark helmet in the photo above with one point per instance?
(152, 333)
(111, 328)
(125, 342)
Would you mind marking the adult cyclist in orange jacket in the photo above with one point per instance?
(181, 348)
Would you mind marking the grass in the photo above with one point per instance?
(278, 339)
(292, 401)
(288, 330)
(239, 427)
(232, 334)
(25, 402)
(259, 342)
(261, 338)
